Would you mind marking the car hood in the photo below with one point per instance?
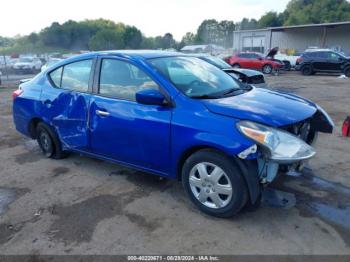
(272, 52)
(263, 106)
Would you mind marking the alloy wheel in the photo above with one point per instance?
(210, 185)
(45, 143)
(267, 69)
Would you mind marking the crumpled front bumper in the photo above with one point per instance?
(306, 130)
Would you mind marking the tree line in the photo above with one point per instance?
(104, 34)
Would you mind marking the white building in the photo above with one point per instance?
(298, 38)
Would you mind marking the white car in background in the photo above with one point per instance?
(291, 58)
(49, 63)
(27, 65)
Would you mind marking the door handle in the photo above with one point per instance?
(102, 113)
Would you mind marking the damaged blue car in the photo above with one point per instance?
(174, 116)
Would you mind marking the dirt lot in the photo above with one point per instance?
(81, 205)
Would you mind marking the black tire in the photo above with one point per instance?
(306, 70)
(267, 69)
(239, 192)
(236, 66)
(49, 142)
(347, 71)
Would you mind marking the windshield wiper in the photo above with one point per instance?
(229, 92)
(205, 97)
(247, 87)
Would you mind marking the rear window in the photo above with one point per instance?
(56, 76)
(74, 76)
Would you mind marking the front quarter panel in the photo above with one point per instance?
(193, 126)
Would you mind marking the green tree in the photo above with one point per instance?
(270, 19)
(207, 32)
(214, 32)
(189, 38)
(226, 29)
(107, 39)
(132, 37)
(33, 38)
(168, 41)
(6, 41)
(316, 11)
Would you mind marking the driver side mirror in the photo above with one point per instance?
(150, 97)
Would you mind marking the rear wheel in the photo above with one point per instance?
(306, 70)
(267, 69)
(236, 66)
(48, 142)
(214, 183)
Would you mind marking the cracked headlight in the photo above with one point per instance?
(281, 146)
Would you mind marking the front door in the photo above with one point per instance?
(121, 128)
(335, 62)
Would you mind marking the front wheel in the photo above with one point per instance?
(267, 69)
(214, 183)
(236, 66)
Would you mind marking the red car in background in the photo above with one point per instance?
(255, 61)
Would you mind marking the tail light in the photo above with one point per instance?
(299, 59)
(346, 127)
(16, 93)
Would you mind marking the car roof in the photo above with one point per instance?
(250, 52)
(318, 50)
(136, 54)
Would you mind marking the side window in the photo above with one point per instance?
(322, 55)
(123, 80)
(56, 76)
(242, 55)
(333, 56)
(76, 76)
(254, 56)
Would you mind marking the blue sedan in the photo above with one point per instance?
(171, 115)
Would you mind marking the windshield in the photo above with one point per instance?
(195, 77)
(25, 60)
(216, 62)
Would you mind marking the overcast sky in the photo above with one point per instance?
(152, 17)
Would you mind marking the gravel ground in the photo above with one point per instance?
(81, 205)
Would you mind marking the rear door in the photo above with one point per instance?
(122, 129)
(65, 101)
